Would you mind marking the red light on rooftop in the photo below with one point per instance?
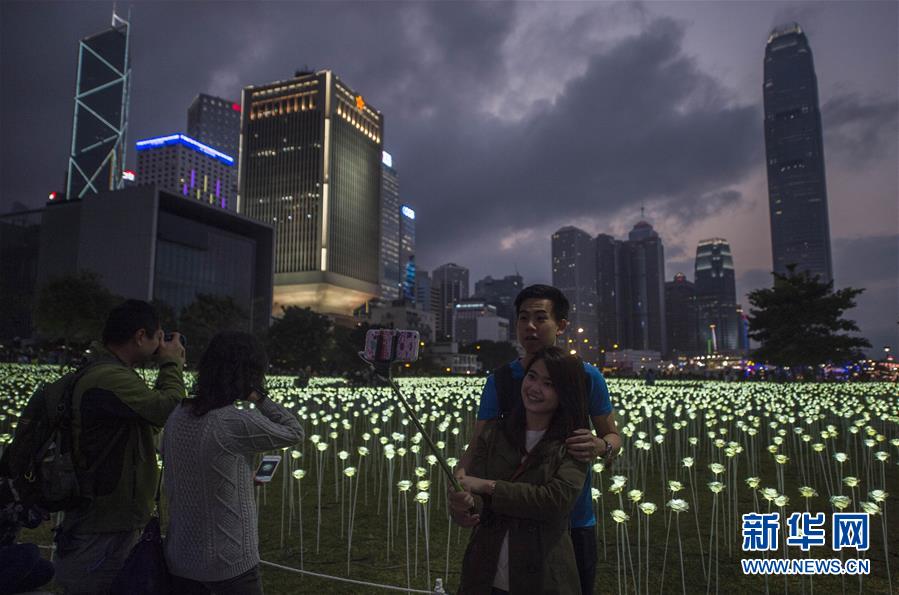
(235, 107)
(52, 196)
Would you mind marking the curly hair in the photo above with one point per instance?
(230, 368)
(568, 377)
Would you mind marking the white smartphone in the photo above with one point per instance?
(267, 468)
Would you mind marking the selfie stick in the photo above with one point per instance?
(382, 369)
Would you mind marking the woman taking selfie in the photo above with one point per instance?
(523, 484)
(209, 449)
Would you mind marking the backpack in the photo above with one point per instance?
(39, 461)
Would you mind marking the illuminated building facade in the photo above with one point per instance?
(390, 230)
(310, 166)
(184, 166)
(794, 148)
(719, 323)
(574, 272)
(100, 122)
(407, 253)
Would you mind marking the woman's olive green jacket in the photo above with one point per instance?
(533, 507)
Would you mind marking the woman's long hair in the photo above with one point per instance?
(568, 378)
(231, 367)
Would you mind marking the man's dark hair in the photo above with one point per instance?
(230, 368)
(126, 319)
(567, 374)
(544, 292)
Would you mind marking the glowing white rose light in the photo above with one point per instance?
(840, 502)
(678, 505)
(619, 516)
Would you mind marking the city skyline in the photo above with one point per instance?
(460, 85)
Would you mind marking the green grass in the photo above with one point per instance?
(718, 407)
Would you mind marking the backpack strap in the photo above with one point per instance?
(507, 388)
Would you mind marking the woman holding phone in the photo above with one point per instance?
(208, 448)
(523, 484)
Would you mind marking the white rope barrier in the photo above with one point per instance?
(437, 589)
(355, 582)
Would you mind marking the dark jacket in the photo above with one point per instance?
(113, 406)
(533, 508)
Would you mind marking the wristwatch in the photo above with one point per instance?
(608, 450)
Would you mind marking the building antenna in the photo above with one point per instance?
(642, 211)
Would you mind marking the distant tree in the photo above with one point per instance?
(799, 322)
(204, 317)
(343, 351)
(167, 317)
(298, 339)
(491, 354)
(72, 309)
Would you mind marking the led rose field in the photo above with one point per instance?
(362, 498)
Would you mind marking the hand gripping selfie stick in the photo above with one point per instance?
(381, 360)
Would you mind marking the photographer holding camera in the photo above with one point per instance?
(116, 418)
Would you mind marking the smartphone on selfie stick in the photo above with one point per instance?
(383, 347)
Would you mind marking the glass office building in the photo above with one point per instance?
(574, 272)
(390, 230)
(100, 122)
(310, 166)
(716, 297)
(797, 191)
(180, 164)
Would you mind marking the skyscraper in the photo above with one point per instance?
(450, 282)
(100, 122)
(797, 192)
(630, 286)
(407, 252)
(574, 273)
(716, 297)
(390, 230)
(680, 317)
(182, 165)
(501, 293)
(215, 122)
(609, 309)
(310, 165)
(643, 289)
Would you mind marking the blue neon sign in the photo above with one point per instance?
(183, 139)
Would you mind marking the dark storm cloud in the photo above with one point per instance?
(641, 124)
(859, 128)
(862, 262)
(871, 263)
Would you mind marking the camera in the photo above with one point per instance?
(169, 336)
(388, 345)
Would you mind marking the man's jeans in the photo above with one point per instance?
(584, 541)
(90, 562)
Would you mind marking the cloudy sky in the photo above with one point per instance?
(507, 121)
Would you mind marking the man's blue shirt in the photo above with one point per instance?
(599, 403)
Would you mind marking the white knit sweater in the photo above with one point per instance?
(212, 533)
